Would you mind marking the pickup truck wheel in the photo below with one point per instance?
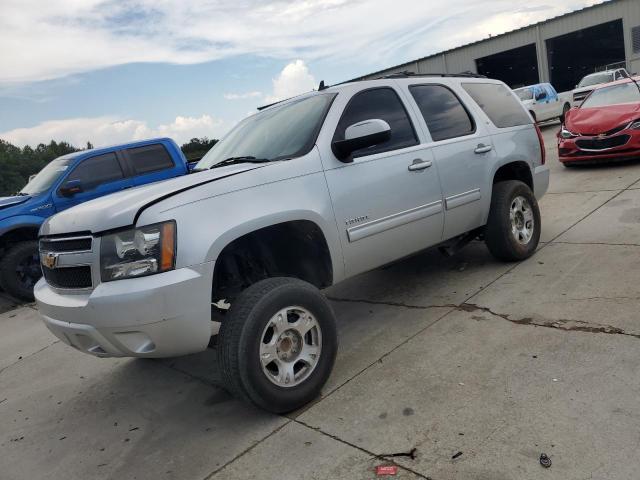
(278, 344)
(513, 229)
(20, 270)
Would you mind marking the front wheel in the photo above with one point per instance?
(513, 229)
(278, 344)
(20, 270)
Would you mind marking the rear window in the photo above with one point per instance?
(500, 105)
(149, 158)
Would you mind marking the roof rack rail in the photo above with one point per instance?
(406, 74)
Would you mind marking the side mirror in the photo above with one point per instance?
(70, 188)
(361, 135)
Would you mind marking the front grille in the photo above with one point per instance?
(68, 277)
(602, 143)
(82, 244)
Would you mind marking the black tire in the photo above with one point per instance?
(242, 332)
(20, 270)
(568, 164)
(500, 240)
(565, 109)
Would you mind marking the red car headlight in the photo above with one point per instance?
(566, 134)
(634, 125)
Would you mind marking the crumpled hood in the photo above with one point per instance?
(121, 209)
(6, 202)
(593, 121)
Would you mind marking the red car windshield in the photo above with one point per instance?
(613, 95)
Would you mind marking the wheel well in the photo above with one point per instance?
(18, 235)
(514, 171)
(291, 249)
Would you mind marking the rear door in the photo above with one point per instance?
(387, 201)
(149, 163)
(98, 176)
(463, 152)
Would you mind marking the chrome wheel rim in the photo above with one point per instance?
(290, 346)
(522, 220)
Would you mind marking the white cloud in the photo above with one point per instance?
(293, 80)
(43, 40)
(242, 96)
(107, 130)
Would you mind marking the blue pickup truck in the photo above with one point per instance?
(67, 181)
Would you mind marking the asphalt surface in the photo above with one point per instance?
(479, 366)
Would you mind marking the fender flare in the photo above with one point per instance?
(20, 221)
(328, 231)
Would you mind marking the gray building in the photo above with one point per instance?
(560, 50)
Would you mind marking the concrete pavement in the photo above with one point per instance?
(445, 355)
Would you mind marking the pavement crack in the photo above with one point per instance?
(392, 304)
(245, 451)
(385, 457)
(566, 325)
(25, 357)
(598, 243)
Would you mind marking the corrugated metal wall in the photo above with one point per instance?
(464, 58)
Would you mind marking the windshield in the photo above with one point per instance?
(285, 131)
(595, 79)
(614, 95)
(524, 94)
(47, 176)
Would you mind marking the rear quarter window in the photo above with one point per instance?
(150, 158)
(500, 105)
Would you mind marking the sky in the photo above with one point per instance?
(109, 71)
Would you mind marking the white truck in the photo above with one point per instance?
(543, 102)
(590, 82)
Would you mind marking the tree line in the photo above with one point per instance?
(18, 164)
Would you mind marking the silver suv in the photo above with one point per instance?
(297, 197)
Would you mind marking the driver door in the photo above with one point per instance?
(387, 201)
(98, 176)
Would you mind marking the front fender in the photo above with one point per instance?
(207, 226)
(20, 221)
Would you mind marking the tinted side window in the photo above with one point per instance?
(97, 170)
(445, 116)
(384, 104)
(149, 158)
(498, 103)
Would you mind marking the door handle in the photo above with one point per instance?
(481, 148)
(419, 165)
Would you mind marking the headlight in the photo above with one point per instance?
(634, 125)
(564, 133)
(138, 252)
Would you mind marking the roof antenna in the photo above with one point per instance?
(322, 86)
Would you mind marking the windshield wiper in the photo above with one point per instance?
(21, 194)
(235, 160)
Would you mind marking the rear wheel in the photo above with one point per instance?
(20, 270)
(513, 228)
(278, 344)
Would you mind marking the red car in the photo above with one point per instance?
(606, 126)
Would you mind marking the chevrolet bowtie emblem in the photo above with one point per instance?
(50, 260)
(602, 135)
